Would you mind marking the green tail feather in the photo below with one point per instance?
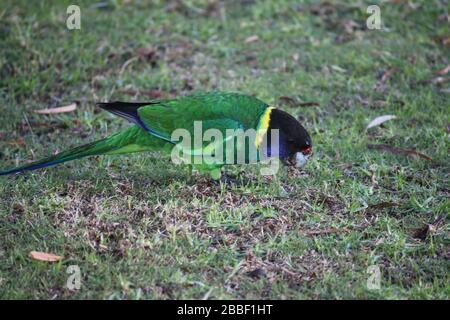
(132, 139)
(95, 148)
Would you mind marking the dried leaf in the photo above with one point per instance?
(396, 150)
(309, 104)
(41, 126)
(429, 228)
(439, 80)
(17, 142)
(295, 103)
(69, 108)
(252, 39)
(338, 69)
(443, 70)
(156, 94)
(445, 41)
(350, 26)
(287, 100)
(44, 256)
(379, 120)
(35, 125)
(149, 55)
(387, 74)
(146, 52)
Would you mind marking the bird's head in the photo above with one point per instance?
(294, 145)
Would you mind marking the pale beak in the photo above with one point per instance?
(300, 159)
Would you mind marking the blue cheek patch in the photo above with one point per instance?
(282, 148)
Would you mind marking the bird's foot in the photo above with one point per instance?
(230, 180)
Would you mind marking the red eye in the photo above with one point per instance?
(307, 150)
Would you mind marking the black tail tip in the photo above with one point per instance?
(102, 104)
(10, 172)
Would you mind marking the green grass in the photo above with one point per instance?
(139, 227)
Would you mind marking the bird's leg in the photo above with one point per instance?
(229, 180)
(232, 180)
(281, 191)
(190, 168)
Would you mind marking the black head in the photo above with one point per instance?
(295, 144)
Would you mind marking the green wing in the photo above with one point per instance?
(215, 110)
(221, 108)
(218, 110)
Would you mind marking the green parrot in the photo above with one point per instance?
(159, 125)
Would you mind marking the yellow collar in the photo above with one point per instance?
(263, 126)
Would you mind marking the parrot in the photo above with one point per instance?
(153, 125)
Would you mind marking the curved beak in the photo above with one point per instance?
(300, 159)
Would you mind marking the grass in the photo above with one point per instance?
(139, 227)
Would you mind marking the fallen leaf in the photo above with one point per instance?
(42, 126)
(17, 142)
(287, 100)
(252, 39)
(387, 74)
(155, 93)
(429, 228)
(443, 70)
(379, 120)
(337, 68)
(309, 104)
(396, 150)
(146, 52)
(69, 108)
(44, 256)
(35, 124)
(445, 41)
(295, 103)
(439, 80)
(350, 26)
(444, 17)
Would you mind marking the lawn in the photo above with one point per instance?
(138, 226)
